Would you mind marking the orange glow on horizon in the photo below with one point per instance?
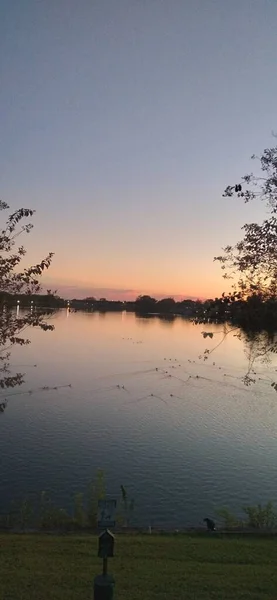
(74, 288)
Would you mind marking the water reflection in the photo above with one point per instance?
(168, 319)
(139, 403)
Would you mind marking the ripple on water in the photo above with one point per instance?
(183, 440)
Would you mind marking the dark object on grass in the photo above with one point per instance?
(210, 524)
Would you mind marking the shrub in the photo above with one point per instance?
(261, 517)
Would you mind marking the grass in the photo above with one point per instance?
(40, 567)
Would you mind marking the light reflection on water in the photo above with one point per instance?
(182, 446)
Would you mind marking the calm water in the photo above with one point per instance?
(182, 447)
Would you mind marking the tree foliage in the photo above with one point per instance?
(253, 260)
(250, 307)
(145, 304)
(15, 280)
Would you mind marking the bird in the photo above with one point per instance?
(210, 524)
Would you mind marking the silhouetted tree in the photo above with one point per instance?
(18, 282)
(145, 304)
(165, 305)
(253, 260)
(251, 305)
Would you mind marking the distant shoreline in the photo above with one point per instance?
(253, 314)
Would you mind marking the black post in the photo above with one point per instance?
(103, 587)
(104, 584)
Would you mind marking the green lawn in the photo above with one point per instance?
(46, 567)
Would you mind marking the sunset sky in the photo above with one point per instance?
(122, 121)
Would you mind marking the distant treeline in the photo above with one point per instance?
(255, 312)
(48, 300)
(143, 305)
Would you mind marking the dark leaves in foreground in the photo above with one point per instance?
(252, 262)
(15, 281)
(251, 265)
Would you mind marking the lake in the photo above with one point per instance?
(184, 436)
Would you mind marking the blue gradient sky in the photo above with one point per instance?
(122, 122)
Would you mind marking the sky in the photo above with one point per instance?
(122, 121)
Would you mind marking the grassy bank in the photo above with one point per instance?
(40, 567)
